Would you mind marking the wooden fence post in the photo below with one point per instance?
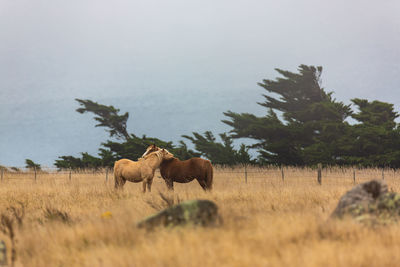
(383, 175)
(70, 174)
(319, 177)
(106, 174)
(283, 174)
(2, 173)
(34, 169)
(245, 172)
(354, 175)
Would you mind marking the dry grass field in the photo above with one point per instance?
(267, 222)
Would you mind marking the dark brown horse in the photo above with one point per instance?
(175, 170)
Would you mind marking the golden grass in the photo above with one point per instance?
(267, 222)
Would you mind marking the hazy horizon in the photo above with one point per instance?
(175, 66)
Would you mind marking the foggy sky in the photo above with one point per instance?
(175, 66)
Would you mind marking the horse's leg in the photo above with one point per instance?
(119, 182)
(149, 182)
(170, 184)
(144, 185)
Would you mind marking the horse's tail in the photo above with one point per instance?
(209, 175)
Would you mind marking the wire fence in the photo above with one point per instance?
(245, 173)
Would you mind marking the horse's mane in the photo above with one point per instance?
(157, 153)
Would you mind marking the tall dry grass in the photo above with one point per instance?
(267, 222)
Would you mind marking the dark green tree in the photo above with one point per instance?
(375, 113)
(219, 153)
(183, 152)
(134, 148)
(131, 147)
(107, 157)
(29, 164)
(303, 122)
(68, 162)
(15, 169)
(376, 137)
(107, 116)
(87, 161)
(91, 162)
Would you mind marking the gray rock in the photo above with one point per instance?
(358, 200)
(194, 212)
(360, 197)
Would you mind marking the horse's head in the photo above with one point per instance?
(150, 149)
(166, 155)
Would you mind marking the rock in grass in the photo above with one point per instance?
(194, 212)
(370, 203)
(356, 201)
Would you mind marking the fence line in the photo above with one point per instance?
(245, 171)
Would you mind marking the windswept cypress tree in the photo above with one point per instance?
(303, 125)
(376, 137)
(32, 165)
(132, 147)
(135, 146)
(107, 116)
(219, 153)
(375, 113)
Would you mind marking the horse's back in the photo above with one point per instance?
(193, 167)
(126, 168)
(199, 163)
(122, 162)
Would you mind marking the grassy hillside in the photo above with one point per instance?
(267, 222)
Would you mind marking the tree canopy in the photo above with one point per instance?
(303, 125)
(107, 116)
(132, 147)
(29, 164)
(219, 153)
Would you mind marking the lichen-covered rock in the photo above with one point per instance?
(370, 203)
(195, 212)
(356, 200)
(387, 205)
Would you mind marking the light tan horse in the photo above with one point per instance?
(141, 170)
